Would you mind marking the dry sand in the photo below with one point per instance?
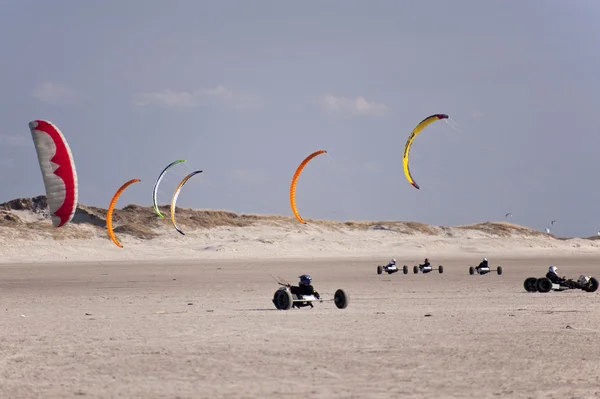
(208, 329)
(171, 316)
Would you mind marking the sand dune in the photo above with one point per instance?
(26, 234)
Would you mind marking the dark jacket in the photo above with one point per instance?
(425, 264)
(555, 278)
(483, 264)
(304, 289)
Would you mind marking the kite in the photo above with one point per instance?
(111, 208)
(58, 171)
(174, 200)
(155, 191)
(422, 125)
(295, 180)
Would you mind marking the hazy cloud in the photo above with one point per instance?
(219, 95)
(356, 106)
(57, 94)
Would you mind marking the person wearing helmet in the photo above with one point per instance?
(553, 276)
(304, 287)
(426, 263)
(484, 263)
(391, 263)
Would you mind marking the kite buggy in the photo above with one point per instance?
(484, 268)
(391, 268)
(303, 295)
(553, 282)
(584, 283)
(427, 268)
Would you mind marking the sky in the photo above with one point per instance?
(245, 90)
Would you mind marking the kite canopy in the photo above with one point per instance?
(155, 191)
(422, 125)
(295, 181)
(111, 208)
(176, 195)
(58, 171)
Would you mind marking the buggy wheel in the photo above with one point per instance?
(471, 270)
(530, 284)
(341, 299)
(593, 286)
(415, 269)
(283, 300)
(441, 269)
(405, 269)
(544, 284)
(499, 270)
(379, 269)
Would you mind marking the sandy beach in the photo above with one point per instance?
(171, 316)
(208, 329)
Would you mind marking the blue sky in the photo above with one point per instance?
(245, 90)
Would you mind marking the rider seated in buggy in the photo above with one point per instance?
(484, 264)
(391, 264)
(426, 264)
(304, 287)
(553, 276)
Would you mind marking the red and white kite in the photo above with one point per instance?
(58, 171)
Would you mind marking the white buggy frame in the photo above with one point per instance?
(427, 269)
(543, 284)
(484, 270)
(391, 269)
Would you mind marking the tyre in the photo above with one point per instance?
(593, 286)
(379, 269)
(471, 270)
(341, 299)
(283, 300)
(530, 284)
(415, 269)
(441, 269)
(405, 269)
(544, 284)
(499, 270)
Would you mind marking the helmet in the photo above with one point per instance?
(305, 279)
(553, 269)
(426, 260)
(484, 259)
(393, 261)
